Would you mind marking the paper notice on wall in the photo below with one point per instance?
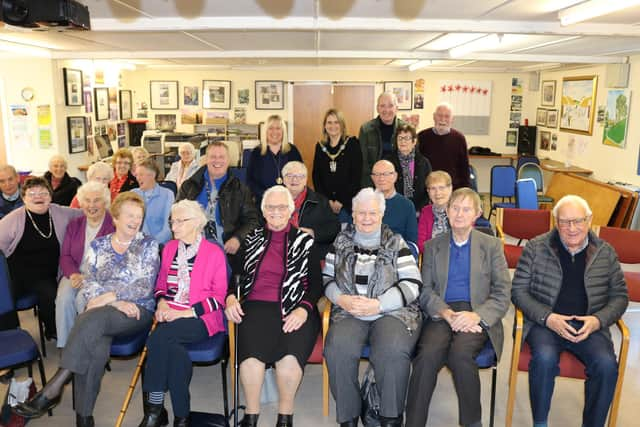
(19, 124)
(44, 126)
(471, 102)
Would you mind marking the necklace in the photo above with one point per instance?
(120, 242)
(45, 236)
(276, 162)
(333, 165)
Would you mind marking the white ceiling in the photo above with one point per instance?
(388, 34)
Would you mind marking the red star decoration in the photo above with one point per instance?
(465, 89)
(485, 91)
(473, 89)
(450, 88)
(458, 88)
(443, 88)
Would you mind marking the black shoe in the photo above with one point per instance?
(391, 422)
(284, 420)
(85, 421)
(154, 415)
(352, 423)
(37, 406)
(181, 422)
(5, 377)
(249, 420)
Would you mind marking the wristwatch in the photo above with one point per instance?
(484, 325)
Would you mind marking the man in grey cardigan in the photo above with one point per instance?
(570, 288)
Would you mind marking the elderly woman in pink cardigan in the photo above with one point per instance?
(433, 217)
(190, 290)
(94, 198)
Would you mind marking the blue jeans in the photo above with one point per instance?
(596, 353)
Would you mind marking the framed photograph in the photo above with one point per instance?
(101, 97)
(616, 117)
(541, 117)
(164, 94)
(545, 140)
(73, 96)
(577, 105)
(77, 133)
(403, 92)
(548, 93)
(190, 95)
(125, 105)
(552, 118)
(512, 138)
(216, 94)
(242, 97)
(269, 95)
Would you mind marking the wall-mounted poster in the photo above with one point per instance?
(512, 137)
(548, 93)
(190, 95)
(552, 118)
(72, 87)
(269, 95)
(578, 104)
(541, 117)
(545, 140)
(403, 91)
(77, 133)
(616, 118)
(471, 102)
(216, 94)
(126, 110)
(243, 97)
(164, 94)
(101, 97)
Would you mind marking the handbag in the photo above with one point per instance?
(370, 414)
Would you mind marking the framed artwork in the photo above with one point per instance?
(403, 92)
(545, 140)
(541, 117)
(190, 95)
(77, 133)
(616, 118)
(242, 96)
(577, 106)
(216, 94)
(125, 105)
(101, 97)
(548, 93)
(73, 96)
(512, 137)
(552, 118)
(164, 94)
(269, 95)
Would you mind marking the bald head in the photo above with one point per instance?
(384, 177)
(387, 107)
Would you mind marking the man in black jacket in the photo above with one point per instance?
(227, 202)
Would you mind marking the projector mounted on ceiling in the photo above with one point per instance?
(46, 14)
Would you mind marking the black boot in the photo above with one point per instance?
(154, 415)
(181, 422)
(84, 421)
(284, 420)
(249, 420)
(391, 422)
(352, 423)
(45, 399)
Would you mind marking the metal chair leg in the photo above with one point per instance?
(225, 399)
(494, 376)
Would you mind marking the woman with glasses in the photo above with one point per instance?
(186, 166)
(337, 165)
(123, 179)
(277, 319)
(411, 166)
(373, 281)
(190, 291)
(99, 172)
(312, 213)
(64, 186)
(433, 217)
(157, 201)
(30, 238)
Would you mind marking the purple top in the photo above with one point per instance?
(271, 271)
(72, 249)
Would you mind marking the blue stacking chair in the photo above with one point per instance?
(473, 178)
(526, 195)
(246, 156)
(526, 159)
(170, 185)
(533, 171)
(503, 183)
(27, 302)
(18, 347)
(240, 173)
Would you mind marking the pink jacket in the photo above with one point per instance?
(208, 280)
(425, 226)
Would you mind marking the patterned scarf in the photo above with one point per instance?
(407, 176)
(184, 278)
(440, 222)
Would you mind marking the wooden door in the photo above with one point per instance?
(356, 103)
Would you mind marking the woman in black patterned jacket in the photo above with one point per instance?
(278, 320)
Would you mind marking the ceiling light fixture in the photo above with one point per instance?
(487, 42)
(593, 9)
(420, 64)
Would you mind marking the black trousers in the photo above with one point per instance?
(46, 290)
(168, 364)
(439, 346)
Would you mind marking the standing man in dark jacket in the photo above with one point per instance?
(312, 213)
(227, 202)
(378, 136)
(570, 288)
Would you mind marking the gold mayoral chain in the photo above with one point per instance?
(333, 165)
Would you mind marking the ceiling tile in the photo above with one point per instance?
(259, 40)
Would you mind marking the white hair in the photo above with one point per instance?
(99, 167)
(58, 157)
(392, 96)
(446, 105)
(189, 146)
(571, 198)
(193, 209)
(368, 194)
(294, 164)
(94, 187)
(278, 189)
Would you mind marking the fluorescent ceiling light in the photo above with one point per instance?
(420, 64)
(451, 40)
(23, 50)
(402, 62)
(487, 42)
(592, 9)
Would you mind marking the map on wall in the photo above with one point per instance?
(471, 102)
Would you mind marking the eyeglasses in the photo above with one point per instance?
(279, 208)
(123, 163)
(295, 176)
(37, 193)
(382, 174)
(364, 214)
(435, 188)
(407, 138)
(179, 221)
(567, 223)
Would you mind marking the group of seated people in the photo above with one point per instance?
(103, 275)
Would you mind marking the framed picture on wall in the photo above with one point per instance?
(545, 140)
(541, 117)
(125, 105)
(73, 96)
(269, 95)
(512, 137)
(164, 94)
(77, 133)
(577, 105)
(101, 97)
(548, 93)
(552, 118)
(403, 92)
(216, 94)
